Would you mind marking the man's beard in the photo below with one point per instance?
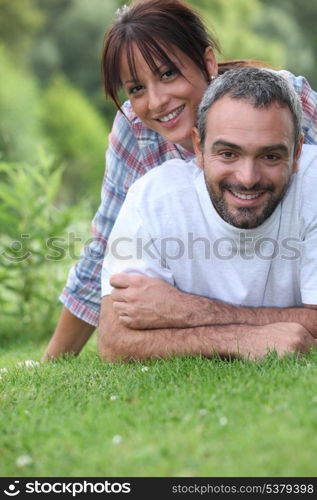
(245, 217)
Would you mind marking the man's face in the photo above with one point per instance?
(248, 158)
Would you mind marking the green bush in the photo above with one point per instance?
(78, 137)
(34, 243)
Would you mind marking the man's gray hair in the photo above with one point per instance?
(261, 87)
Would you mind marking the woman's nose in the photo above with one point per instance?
(158, 98)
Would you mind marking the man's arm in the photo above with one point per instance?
(70, 336)
(117, 342)
(144, 302)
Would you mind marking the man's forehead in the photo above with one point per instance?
(230, 117)
(228, 102)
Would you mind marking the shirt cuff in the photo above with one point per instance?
(79, 309)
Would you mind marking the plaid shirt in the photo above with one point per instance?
(133, 151)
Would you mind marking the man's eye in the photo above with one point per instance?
(271, 157)
(228, 155)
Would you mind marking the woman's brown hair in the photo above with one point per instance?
(155, 26)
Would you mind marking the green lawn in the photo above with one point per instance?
(182, 417)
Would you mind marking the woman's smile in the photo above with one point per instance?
(170, 119)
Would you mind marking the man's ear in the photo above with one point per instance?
(197, 147)
(297, 154)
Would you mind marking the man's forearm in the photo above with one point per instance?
(204, 311)
(117, 342)
(70, 336)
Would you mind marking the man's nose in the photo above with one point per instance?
(248, 174)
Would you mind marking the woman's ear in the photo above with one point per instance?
(210, 61)
(197, 147)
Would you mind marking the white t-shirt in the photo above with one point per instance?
(168, 228)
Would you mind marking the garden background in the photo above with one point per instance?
(54, 122)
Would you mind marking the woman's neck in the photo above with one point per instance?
(188, 145)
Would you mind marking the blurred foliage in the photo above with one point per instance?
(70, 42)
(59, 118)
(30, 222)
(20, 111)
(20, 20)
(78, 136)
(293, 22)
(234, 23)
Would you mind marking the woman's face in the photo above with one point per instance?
(166, 101)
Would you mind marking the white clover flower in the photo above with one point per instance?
(3, 370)
(144, 369)
(23, 460)
(117, 439)
(114, 397)
(223, 421)
(29, 363)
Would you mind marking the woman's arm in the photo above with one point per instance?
(308, 99)
(70, 336)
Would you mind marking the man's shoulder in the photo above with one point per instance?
(308, 162)
(304, 190)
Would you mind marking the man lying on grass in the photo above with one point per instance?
(220, 256)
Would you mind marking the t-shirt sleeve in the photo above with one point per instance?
(308, 273)
(132, 249)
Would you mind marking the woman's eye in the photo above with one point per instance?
(169, 74)
(135, 90)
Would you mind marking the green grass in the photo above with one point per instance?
(182, 417)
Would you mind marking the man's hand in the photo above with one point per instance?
(146, 303)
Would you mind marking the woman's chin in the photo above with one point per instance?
(178, 137)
